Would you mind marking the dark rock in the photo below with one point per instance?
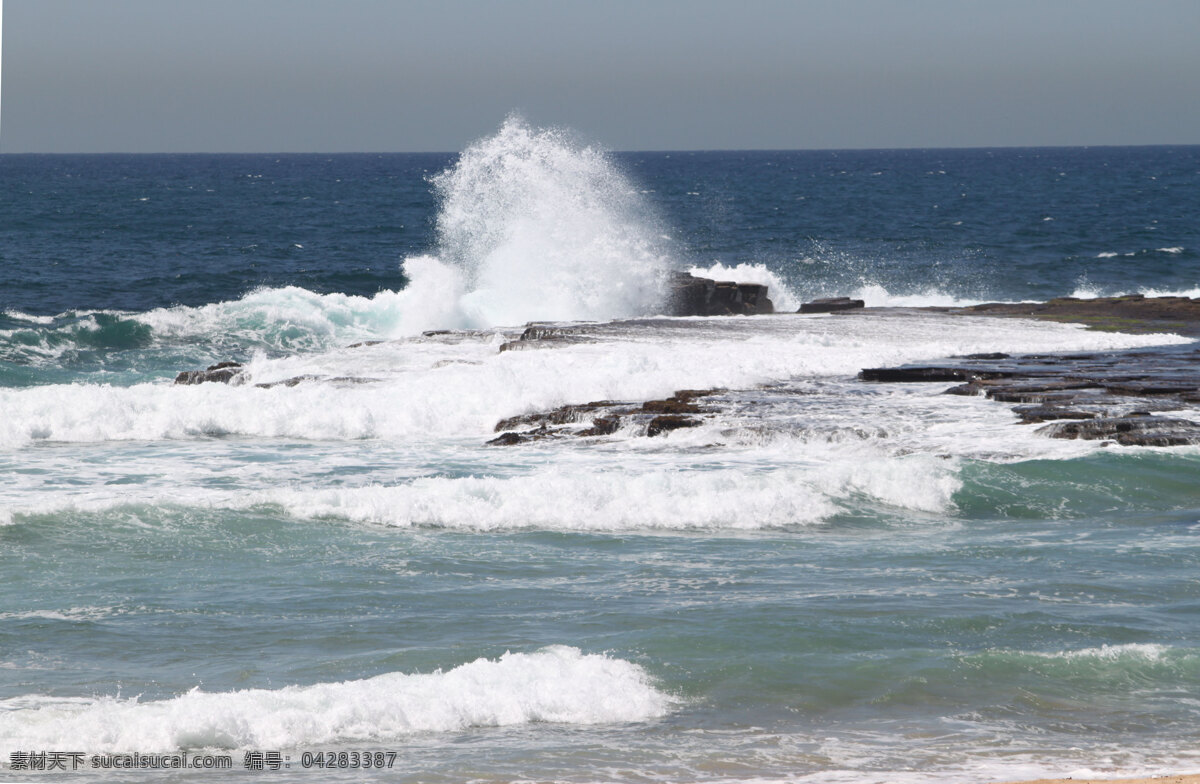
(755, 301)
(602, 426)
(667, 422)
(671, 406)
(831, 305)
(508, 439)
(563, 415)
(692, 296)
(653, 417)
(1036, 393)
(1032, 415)
(692, 394)
(222, 372)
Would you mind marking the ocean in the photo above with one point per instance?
(336, 577)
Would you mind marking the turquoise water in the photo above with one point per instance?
(826, 582)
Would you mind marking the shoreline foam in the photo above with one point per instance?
(1182, 778)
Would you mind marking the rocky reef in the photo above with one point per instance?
(1115, 396)
(1119, 397)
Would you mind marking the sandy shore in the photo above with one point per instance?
(1190, 778)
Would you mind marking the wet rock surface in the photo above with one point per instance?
(1136, 429)
(605, 417)
(831, 305)
(1112, 396)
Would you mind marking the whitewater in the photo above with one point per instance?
(823, 581)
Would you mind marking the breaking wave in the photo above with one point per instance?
(556, 684)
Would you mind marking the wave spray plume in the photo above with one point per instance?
(535, 226)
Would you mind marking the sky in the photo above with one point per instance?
(410, 75)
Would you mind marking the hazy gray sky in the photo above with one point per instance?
(410, 75)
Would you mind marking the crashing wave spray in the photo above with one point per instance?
(534, 226)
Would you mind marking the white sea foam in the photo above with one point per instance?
(1088, 291)
(17, 315)
(1191, 293)
(71, 614)
(614, 500)
(875, 295)
(1110, 254)
(1085, 290)
(649, 491)
(556, 684)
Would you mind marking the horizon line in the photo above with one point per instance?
(630, 151)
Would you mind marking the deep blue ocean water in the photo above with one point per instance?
(145, 231)
(827, 582)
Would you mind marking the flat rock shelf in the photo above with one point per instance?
(1117, 396)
